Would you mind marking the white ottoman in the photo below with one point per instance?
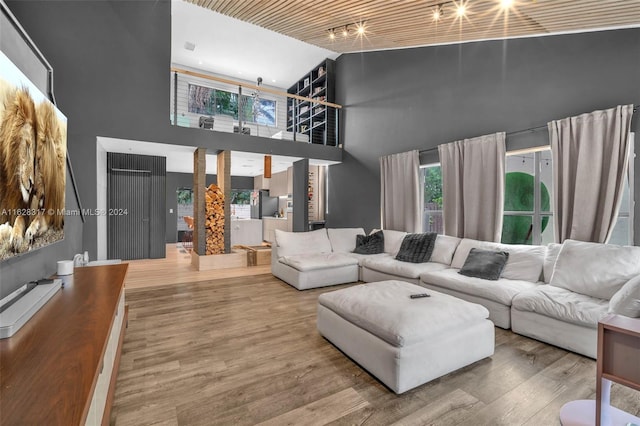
(405, 342)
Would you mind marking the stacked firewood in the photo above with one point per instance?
(214, 220)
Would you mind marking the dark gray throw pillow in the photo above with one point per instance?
(417, 248)
(370, 244)
(485, 264)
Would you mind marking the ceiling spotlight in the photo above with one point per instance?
(332, 34)
(345, 31)
(360, 28)
(506, 4)
(461, 10)
(437, 13)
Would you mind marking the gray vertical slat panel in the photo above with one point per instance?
(141, 232)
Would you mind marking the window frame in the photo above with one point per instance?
(536, 214)
(239, 107)
(440, 212)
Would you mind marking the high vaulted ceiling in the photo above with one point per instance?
(404, 23)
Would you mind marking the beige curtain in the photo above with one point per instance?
(401, 195)
(473, 187)
(590, 157)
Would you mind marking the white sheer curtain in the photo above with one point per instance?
(473, 187)
(590, 158)
(401, 192)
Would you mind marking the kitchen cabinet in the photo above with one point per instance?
(259, 182)
(247, 232)
(278, 186)
(270, 224)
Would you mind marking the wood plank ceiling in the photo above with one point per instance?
(405, 23)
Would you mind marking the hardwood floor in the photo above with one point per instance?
(176, 268)
(245, 350)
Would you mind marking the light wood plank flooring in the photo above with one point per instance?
(176, 268)
(245, 350)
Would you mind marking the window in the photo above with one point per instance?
(623, 230)
(240, 204)
(528, 201)
(209, 101)
(432, 210)
(528, 198)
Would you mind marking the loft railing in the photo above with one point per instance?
(225, 105)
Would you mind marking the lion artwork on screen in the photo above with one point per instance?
(32, 167)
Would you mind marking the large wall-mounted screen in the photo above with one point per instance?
(33, 149)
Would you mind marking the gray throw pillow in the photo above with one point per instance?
(485, 264)
(370, 244)
(417, 248)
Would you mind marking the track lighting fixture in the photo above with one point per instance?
(357, 28)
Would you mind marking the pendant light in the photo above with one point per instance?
(267, 167)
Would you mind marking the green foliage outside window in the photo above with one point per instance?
(518, 197)
(240, 197)
(433, 187)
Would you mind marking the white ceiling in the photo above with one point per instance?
(238, 49)
(180, 158)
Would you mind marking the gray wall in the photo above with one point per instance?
(111, 61)
(42, 262)
(418, 98)
(185, 180)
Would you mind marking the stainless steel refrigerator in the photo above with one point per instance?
(263, 205)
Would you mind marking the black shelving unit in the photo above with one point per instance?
(316, 121)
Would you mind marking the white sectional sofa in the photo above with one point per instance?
(554, 293)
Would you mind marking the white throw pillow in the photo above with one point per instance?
(393, 241)
(525, 262)
(553, 249)
(596, 270)
(626, 301)
(292, 243)
(343, 240)
(444, 249)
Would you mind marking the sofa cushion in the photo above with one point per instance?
(370, 244)
(596, 270)
(525, 262)
(626, 301)
(390, 265)
(416, 248)
(550, 260)
(313, 262)
(343, 240)
(294, 243)
(393, 241)
(385, 310)
(562, 304)
(501, 291)
(361, 257)
(444, 249)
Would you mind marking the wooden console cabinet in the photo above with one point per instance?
(61, 367)
(618, 361)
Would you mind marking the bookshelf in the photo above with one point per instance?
(316, 121)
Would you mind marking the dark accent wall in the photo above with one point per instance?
(301, 195)
(176, 181)
(42, 262)
(111, 62)
(418, 98)
(137, 184)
